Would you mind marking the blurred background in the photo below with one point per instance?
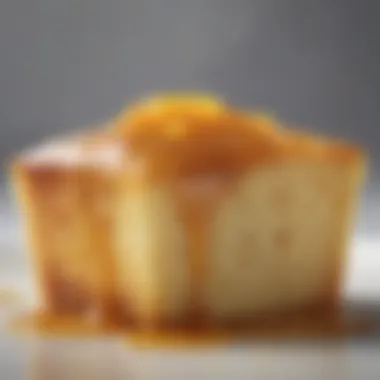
(67, 64)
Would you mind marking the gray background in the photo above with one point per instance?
(70, 63)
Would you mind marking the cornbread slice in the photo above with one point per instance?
(230, 216)
(185, 210)
(67, 191)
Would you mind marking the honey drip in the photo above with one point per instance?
(302, 325)
(197, 202)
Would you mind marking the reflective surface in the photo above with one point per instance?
(35, 358)
(52, 359)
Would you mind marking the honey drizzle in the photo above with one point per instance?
(197, 202)
(295, 325)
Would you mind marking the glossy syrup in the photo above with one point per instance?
(302, 325)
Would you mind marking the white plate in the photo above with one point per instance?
(114, 359)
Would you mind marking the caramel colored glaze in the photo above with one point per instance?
(197, 201)
(299, 328)
(194, 137)
(213, 147)
(309, 324)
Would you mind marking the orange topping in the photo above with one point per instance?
(193, 135)
(190, 135)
